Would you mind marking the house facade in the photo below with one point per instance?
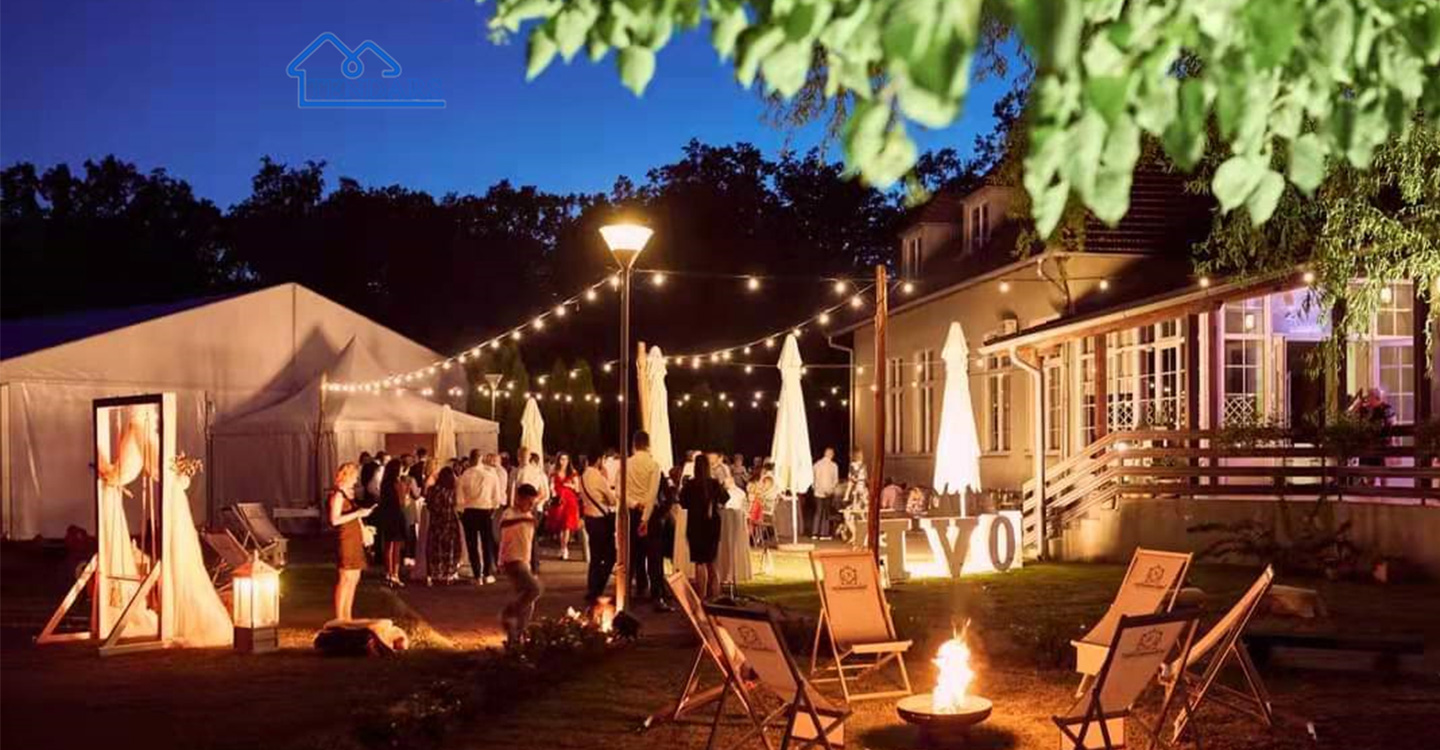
(1076, 357)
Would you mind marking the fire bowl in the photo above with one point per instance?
(939, 729)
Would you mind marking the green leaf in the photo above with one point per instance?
(1048, 206)
(1263, 199)
(540, 51)
(1334, 25)
(637, 67)
(864, 131)
(926, 108)
(909, 27)
(571, 26)
(1052, 29)
(1157, 105)
(1274, 27)
(756, 43)
(1108, 95)
(1307, 162)
(726, 30)
(1236, 179)
(785, 68)
(1088, 141)
(896, 157)
(842, 29)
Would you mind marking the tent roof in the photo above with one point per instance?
(25, 335)
(345, 410)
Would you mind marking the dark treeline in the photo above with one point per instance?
(453, 270)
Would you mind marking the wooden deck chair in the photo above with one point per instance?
(255, 530)
(856, 618)
(810, 718)
(713, 650)
(1138, 648)
(1151, 583)
(229, 552)
(1222, 645)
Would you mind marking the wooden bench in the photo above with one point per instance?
(1384, 651)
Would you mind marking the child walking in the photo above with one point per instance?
(517, 537)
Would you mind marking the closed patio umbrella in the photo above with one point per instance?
(957, 454)
(790, 449)
(532, 429)
(657, 407)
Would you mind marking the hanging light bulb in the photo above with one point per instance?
(752, 283)
(1004, 287)
(834, 389)
(615, 281)
(747, 351)
(759, 396)
(725, 355)
(770, 343)
(796, 332)
(840, 286)
(695, 363)
(658, 279)
(608, 367)
(590, 295)
(860, 370)
(539, 324)
(515, 334)
(1204, 282)
(857, 302)
(687, 397)
(1308, 277)
(495, 343)
(749, 369)
(1104, 285)
(824, 319)
(714, 356)
(559, 311)
(907, 287)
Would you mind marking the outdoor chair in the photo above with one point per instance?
(856, 618)
(1223, 645)
(229, 552)
(1139, 647)
(1151, 584)
(255, 530)
(711, 648)
(810, 719)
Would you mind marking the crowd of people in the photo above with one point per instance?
(491, 512)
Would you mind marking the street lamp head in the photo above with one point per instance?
(626, 241)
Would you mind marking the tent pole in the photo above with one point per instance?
(882, 312)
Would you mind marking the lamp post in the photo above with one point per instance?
(493, 378)
(625, 242)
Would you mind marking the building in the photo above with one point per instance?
(1078, 357)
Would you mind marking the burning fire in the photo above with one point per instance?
(953, 659)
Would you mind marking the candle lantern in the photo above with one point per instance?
(255, 587)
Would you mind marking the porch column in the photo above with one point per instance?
(1421, 369)
(1037, 438)
(1217, 366)
(1192, 372)
(1102, 409)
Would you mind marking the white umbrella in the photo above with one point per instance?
(790, 450)
(957, 456)
(444, 436)
(532, 429)
(657, 408)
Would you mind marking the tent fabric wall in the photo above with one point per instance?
(225, 358)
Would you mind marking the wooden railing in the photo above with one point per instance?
(1205, 464)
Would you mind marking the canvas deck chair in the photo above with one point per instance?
(1139, 646)
(856, 619)
(810, 719)
(1150, 586)
(255, 530)
(712, 649)
(229, 552)
(1223, 646)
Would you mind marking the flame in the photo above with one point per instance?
(953, 659)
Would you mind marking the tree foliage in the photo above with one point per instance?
(1306, 80)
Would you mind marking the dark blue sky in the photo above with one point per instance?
(199, 87)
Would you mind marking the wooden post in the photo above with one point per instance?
(1192, 372)
(1102, 385)
(1421, 358)
(1217, 370)
(1337, 404)
(882, 312)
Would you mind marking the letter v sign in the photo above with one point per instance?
(951, 543)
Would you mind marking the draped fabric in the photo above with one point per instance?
(532, 429)
(657, 407)
(957, 453)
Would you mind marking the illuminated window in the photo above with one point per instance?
(997, 404)
(926, 370)
(895, 405)
(1054, 407)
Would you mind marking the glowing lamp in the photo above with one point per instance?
(626, 241)
(255, 607)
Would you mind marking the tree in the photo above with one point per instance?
(1306, 79)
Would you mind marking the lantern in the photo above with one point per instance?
(255, 588)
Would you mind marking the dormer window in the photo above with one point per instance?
(979, 226)
(910, 257)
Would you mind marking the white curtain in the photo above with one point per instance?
(957, 454)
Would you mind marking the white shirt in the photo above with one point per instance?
(492, 490)
(827, 477)
(534, 476)
(470, 487)
(517, 534)
(642, 483)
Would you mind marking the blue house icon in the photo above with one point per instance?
(352, 67)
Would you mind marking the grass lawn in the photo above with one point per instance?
(1022, 623)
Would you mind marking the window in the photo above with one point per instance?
(1120, 355)
(1396, 314)
(1054, 407)
(979, 226)
(1397, 366)
(1087, 390)
(1161, 375)
(1243, 360)
(895, 405)
(997, 404)
(925, 380)
(910, 257)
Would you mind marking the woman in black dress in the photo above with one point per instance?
(345, 518)
(390, 520)
(702, 497)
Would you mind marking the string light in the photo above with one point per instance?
(753, 284)
(1104, 285)
(749, 369)
(907, 287)
(857, 302)
(1204, 282)
(607, 367)
(1004, 287)
(841, 287)
(590, 295)
(559, 311)
(770, 343)
(539, 324)
(1308, 277)
(824, 319)
(658, 279)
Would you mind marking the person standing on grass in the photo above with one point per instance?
(533, 473)
(702, 497)
(345, 518)
(517, 537)
(599, 505)
(827, 479)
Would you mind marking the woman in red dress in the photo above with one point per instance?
(564, 516)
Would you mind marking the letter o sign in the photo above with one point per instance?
(1002, 532)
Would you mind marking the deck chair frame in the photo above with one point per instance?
(1096, 718)
(1254, 700)
(711, 649)
(269, 542)
(1167, 602)
(824, 720)
(883, 652)
(225, 546)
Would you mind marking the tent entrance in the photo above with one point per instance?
(400, 443)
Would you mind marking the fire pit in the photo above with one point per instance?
(945, 716)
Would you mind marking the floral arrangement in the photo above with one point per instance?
(186, 466)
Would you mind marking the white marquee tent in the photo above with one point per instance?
(222, 357)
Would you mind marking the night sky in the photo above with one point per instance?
(200, 89)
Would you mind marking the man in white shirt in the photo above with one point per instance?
(598, 504)
(533, 474)
(473, 519)
(827, 479)
(642, 487)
